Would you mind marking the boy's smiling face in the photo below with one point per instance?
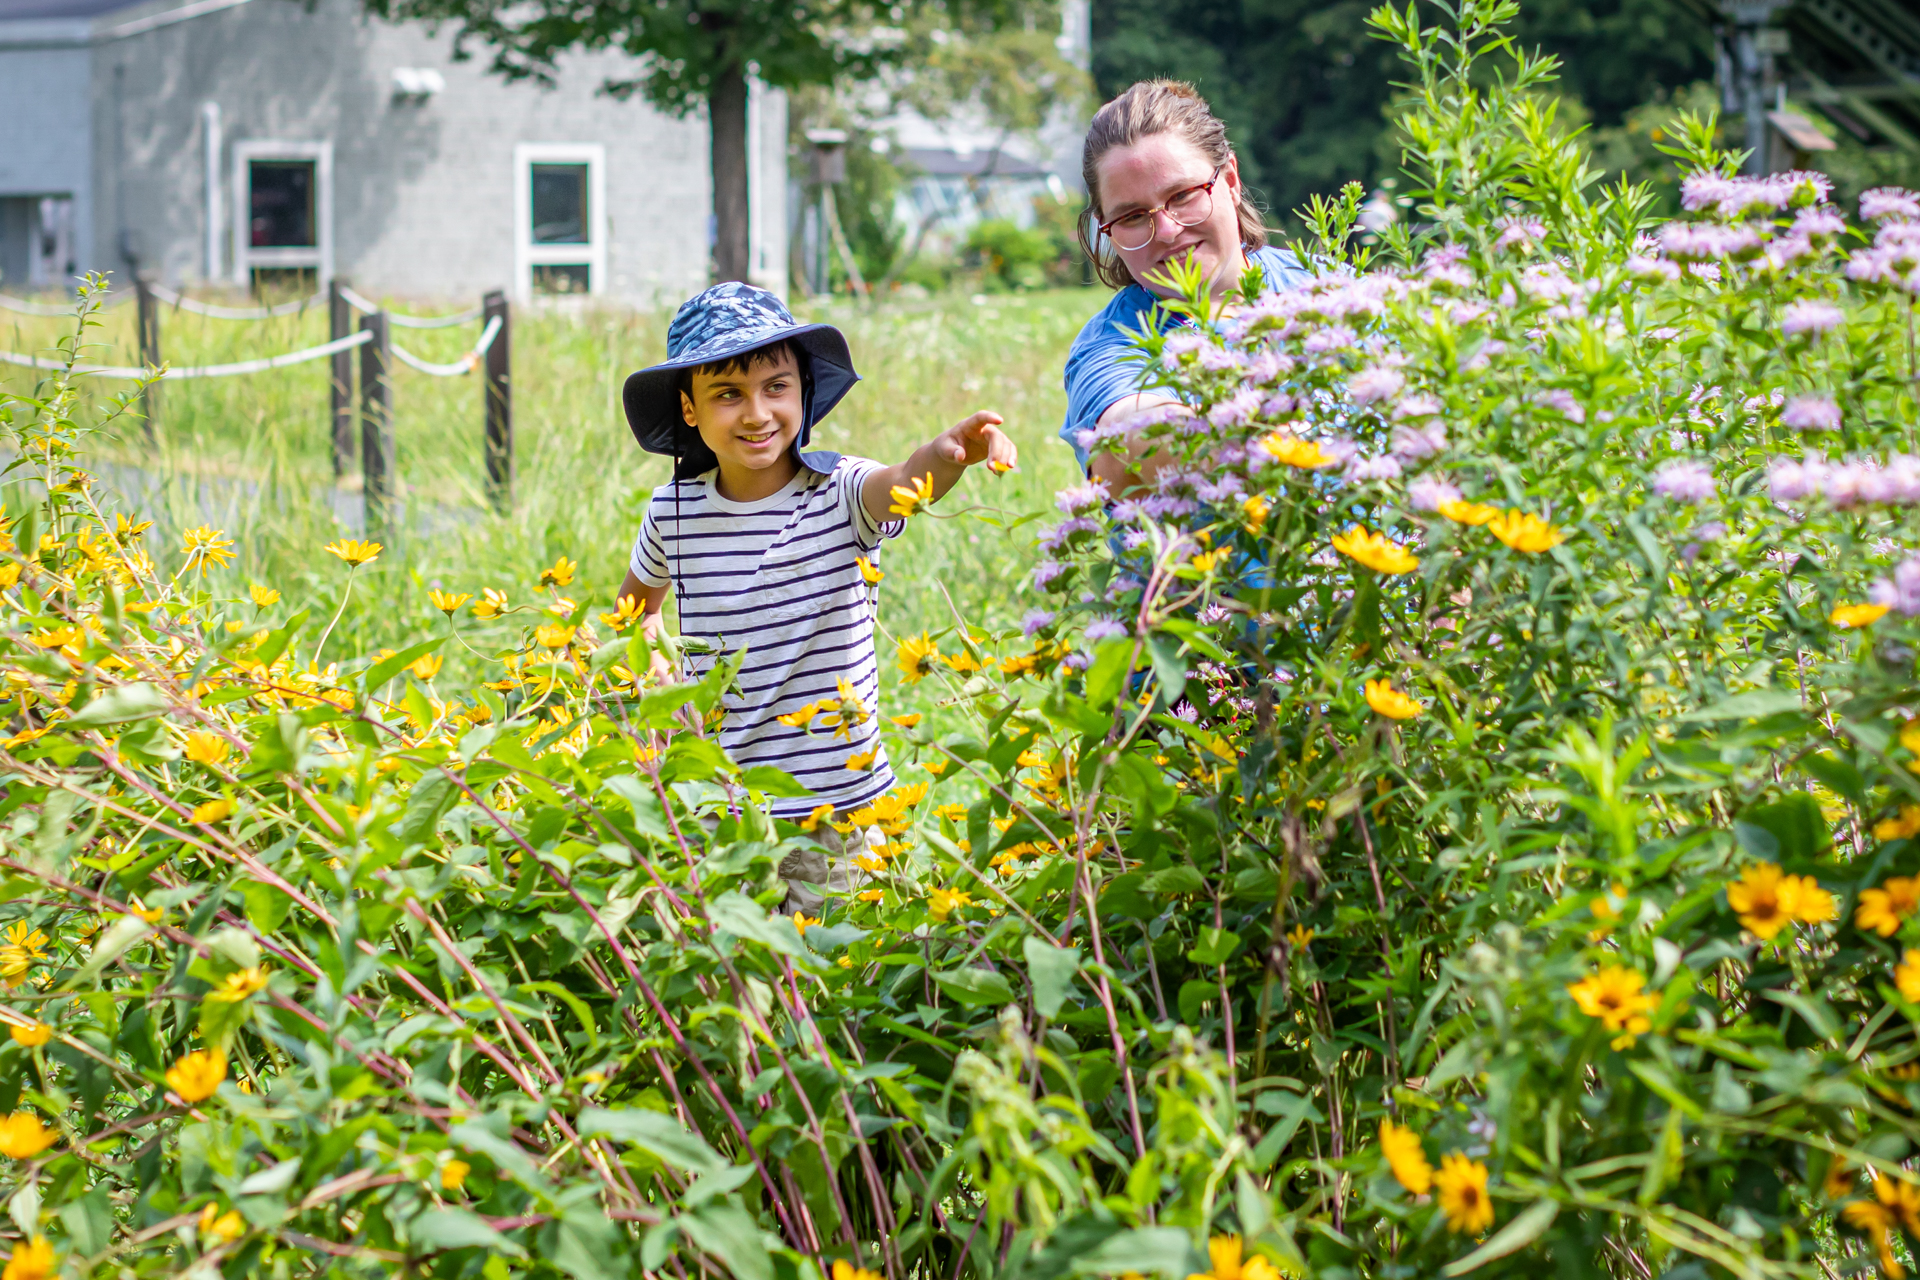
(749, 416)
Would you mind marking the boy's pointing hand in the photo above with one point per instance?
(979, 439)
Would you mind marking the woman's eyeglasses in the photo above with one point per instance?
(1188, 207)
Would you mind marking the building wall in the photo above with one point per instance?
(422, 192)
(45, 123)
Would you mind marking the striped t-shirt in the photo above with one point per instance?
(778, 577)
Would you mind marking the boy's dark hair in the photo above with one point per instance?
(741, 363)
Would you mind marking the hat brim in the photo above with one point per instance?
(652, 402)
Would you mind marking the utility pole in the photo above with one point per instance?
(829, 164)
(1747, 70)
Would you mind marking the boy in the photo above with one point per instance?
(772, 549)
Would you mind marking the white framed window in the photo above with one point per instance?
(559, 218)
(282, 214)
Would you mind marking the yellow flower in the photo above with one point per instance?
(1375, 550)
(626, 611)
(1401, 1147)
(861, 761)
(1613, 995)
(1764, 899)
(263, 597)
(492, 604)
(448, 601)
(803, 922)
(354, 551)
(1903, 825)
(917, 656)
(212, 811)
(1390, 702)
(1462, 1184)
(906, 722)
(868, 570)
(844, 1270)
(1881, 910)
(25, 947)
(126, 530)
(22, 1136)
(559, 574)
(453, 1174)
(1812, 904)
(801, 718)
(1906, 976)
(908, 500)
(138, 908)
(1857, 615)
(1300, 936)
(1840, 1180)
(203, 544)
(427, 666)
(1206, 560)
(1256, 510)
(31, 1036)
(240, 984)
(224, 1227)
(1285, 447)
(1225, 1252)
(944, 902)
(1460, 511)
(936, 767)
(1876, 1220)
(1528, 533)
(34, 1260)
(197, 1075)
(555, 635)
(1900, 1196)
(870, 895)
(963, 661)
(206, 748)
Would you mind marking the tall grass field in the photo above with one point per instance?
(249, 455)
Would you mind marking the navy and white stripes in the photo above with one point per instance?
(779, 578)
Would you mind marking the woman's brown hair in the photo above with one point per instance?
(1148, 108)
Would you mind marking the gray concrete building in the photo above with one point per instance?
(283, 142)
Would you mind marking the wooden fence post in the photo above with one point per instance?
(376, 422)
(339, 325)
(499, 403)
(148, 329)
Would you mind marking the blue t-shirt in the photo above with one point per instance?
(1099, 372)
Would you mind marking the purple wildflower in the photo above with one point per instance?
(1809, 317)
(1046, 573)
(1818, 224)
(1036, 620)
(1519, 231)
(1385, 467)
(1684, 480)
(1791, 481)
(1428, 492)
(1889, 202)
(1237, 409)
(1104, 629)
(1562, 402)
(1411, 442)
(1278, 405)
(1081, 498)
(1811, 413)
(1901, 592)
(1370, 386)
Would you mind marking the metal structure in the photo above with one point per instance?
(1857, 62)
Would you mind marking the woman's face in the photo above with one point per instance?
(1144, 176)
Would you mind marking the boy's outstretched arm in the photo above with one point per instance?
(651, 600)
(945, 457)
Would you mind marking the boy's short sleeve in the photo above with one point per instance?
(847, 479)
(649, 562)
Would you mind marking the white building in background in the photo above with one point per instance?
(249, 142)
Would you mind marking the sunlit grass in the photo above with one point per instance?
(251, 455)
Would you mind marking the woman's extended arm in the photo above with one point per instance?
(1143, 461)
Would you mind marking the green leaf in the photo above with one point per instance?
(457, 1229)
(389, 667)
(432, 796)
(1051, 970)
(658, 1134)
(770, 781)
(1176, 880)
(1531, 1223)
(745, 918)
(1166, 1251)
(1107, 675)
(137, 701)
(1755, 704)
(975, 986)
(1798, 828)
(1214, 947)
(731, 1236)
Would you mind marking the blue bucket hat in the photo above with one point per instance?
(729, 320)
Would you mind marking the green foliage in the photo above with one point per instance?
(1495, 862)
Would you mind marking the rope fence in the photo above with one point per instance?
(490, 353)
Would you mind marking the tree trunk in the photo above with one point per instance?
(727, 118)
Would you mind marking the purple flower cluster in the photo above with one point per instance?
(1895, 482)
(1901, 591)
(1104, 629)
(1036, 620)
(1892, 259)
(1058, 536)
(1374, 384)
(1708, 241)
(1811, 413)
(1081, 499)
(1889, 202)
(1810, 317)
(1519, 232)
(1429, 492)
(1745, 197)
(1684, 480)
(1412, 442)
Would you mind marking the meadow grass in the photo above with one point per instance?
(250, 455)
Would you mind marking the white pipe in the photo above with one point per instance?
(210, 122)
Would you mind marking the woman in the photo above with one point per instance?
(1163, 185)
